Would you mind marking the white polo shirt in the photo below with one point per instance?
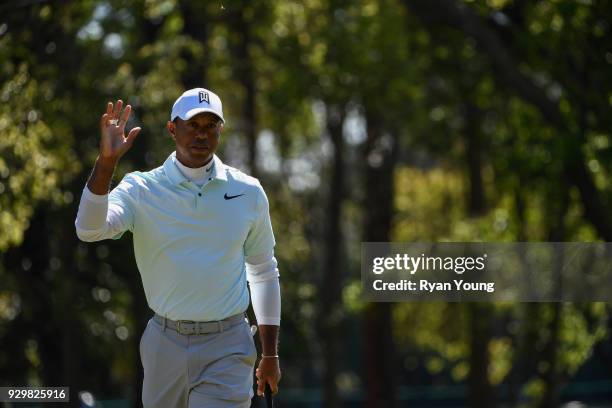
(191, 242)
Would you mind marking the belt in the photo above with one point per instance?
(189, 327)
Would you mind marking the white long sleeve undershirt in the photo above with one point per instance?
(262, 275)
(197, 175)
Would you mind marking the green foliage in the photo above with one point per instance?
(34, 161)
(433, 88)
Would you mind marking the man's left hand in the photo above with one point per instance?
(268, 372)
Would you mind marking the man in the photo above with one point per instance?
(201, 229)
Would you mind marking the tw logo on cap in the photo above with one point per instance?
(203, 96)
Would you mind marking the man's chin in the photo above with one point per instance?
(195, 157)
(200, 150)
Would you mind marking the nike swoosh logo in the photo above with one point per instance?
(230, 197)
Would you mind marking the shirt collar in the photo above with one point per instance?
(176, 177)
(218, 170)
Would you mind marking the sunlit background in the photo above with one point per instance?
(415, 120)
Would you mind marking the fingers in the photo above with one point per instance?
(261, 386)
(132, 135)
(103, 120)
(262, 380)
(113, 112)
(260, 383)
(273, 387)
(117, 109)
(107, 115)
(125, 116)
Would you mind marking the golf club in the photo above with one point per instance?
(268, 396)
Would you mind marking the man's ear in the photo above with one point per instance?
(171, 128)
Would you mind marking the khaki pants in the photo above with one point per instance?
(194, 371)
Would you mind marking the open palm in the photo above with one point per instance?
(113, 142)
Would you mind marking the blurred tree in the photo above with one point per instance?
(365, 120)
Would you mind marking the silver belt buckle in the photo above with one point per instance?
(179, 325)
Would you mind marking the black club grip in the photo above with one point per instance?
(268, 395)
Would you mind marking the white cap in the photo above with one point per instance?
(194, 101)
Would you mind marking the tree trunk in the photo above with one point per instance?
(242, 26)
(551, 377)
(480, 390)
(558, 202)
(476, 202)
(379, 158)
(196, 24)
(330, 285)
(525, 359)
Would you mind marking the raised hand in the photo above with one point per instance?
(113, 142)
(113, 145)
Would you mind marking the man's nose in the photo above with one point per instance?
(201, 133)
